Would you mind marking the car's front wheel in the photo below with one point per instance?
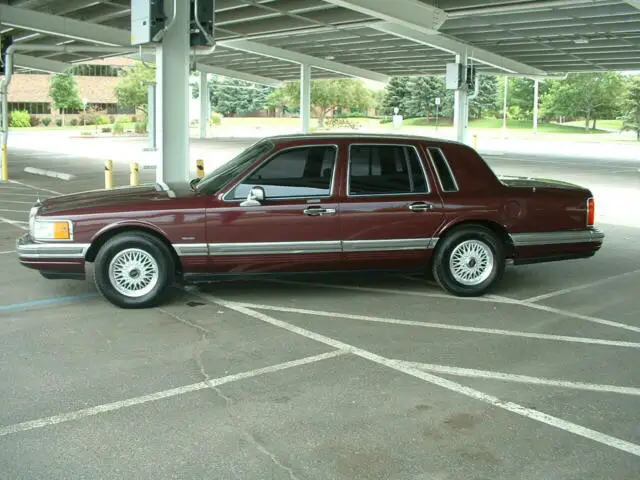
(469, 261)
(134, 270)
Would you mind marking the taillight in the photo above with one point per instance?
(591, 212)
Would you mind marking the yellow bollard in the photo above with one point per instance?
(475, 141)
(5, 163)
(134, 177)
(108, 174)
(200, 168)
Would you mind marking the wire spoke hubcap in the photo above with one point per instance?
(134, 272)
(471, 262)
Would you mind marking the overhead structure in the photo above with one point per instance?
(269, 41)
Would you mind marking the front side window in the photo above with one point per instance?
(305, 172)
(385, 170)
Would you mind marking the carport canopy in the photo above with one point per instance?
(272, 41)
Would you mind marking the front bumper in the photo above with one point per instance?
(53, 260)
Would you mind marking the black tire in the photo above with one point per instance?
(154, 259)
(453, 243)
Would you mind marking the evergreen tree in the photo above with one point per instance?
(631, 106)
(397, 94)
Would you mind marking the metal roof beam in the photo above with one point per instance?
(247, 77)
(408, 13)
(295, 57)
(454, 46)
(62, 26)
(40, 64)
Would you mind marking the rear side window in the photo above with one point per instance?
(445, 175)
(385, 170)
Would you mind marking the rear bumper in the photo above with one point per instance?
(555, 246)
(53, 260)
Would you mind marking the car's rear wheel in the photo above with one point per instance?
(469, 261)
(134, 270)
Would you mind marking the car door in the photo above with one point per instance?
(390, 209)
(295, 227)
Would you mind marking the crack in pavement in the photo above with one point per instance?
(200, 348)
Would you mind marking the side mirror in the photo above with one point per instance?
(193, 183)
(254, 198)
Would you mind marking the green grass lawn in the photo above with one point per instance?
(605, 124)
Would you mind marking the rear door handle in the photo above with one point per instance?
(420, 207)
(317, 211)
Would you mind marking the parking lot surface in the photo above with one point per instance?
(330, 377)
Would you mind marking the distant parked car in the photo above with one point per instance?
(314, 203)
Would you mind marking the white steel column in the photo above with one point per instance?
(504, 108)
(461, 105)
(205, 104)
(536, 94)
(172, 113)
(305, 96)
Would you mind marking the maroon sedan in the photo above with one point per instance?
(314, 203)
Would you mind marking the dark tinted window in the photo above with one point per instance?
(447, 181)
(384, 170)
(298, 172)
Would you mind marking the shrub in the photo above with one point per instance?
(105, 129)
(59, 122)
(141, 127)
(342, 123)
(74, 122)
(35, 121)
(215, 119)
(118, 128)
(19, 119)
(112, 119)
(134, 119)
(46, 121)
(101, 120)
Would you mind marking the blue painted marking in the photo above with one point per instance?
(46, 301)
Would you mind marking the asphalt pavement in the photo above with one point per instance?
(329, 377)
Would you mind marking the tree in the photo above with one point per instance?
(63, 90)
(485, 103)
(423, 92)
(397, 94)
(585, 95)
(631, 106)
(133, 89)
(329, 95)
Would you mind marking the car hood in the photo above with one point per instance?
(119, 197)
(529, 182)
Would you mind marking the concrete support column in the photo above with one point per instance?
(305, 97)
(151, 116)
(172, 113)
(536, 95)
(504, 108)
(461, 104)
(205, 104)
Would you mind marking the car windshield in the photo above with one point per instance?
(222, 175)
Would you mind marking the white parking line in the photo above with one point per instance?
(509, 377)
(13, 211)
(110, 407)
(580, 287)
(14, 223)
(442, 326)
(18, 202)
(486, 299)
(556, 422)
(6, 252)
(35, 188)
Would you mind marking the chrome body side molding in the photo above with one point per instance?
(592, 235)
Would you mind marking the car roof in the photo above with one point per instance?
(355, 136)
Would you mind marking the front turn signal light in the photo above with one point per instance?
(52, 230)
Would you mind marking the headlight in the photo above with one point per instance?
(49, 229)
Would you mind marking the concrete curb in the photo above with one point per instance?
(49, 173)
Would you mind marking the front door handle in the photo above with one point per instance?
(317, 211)
(420, 207)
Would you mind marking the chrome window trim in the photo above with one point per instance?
(435, 168)
(557, 238)
(278, 152)
(368, 195)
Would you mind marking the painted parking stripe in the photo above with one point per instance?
(7, 252)
(109, 407)
(510, 377)
(47, 301)
(14, 223)
(34, 188)
(443, 326)
(13, 211)
(521, 410)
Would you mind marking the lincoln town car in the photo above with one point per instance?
(314, 203)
